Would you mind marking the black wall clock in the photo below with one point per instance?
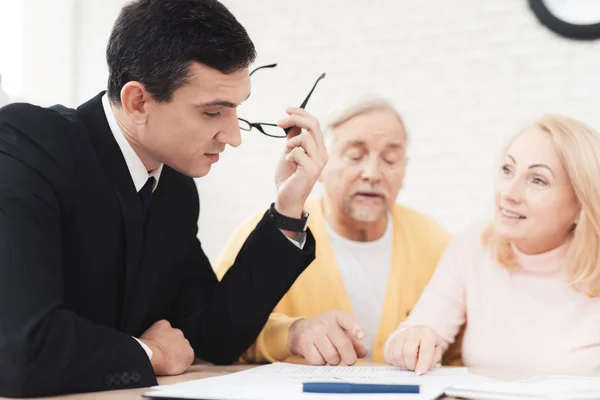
(575, 19)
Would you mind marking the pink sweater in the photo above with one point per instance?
(528, 319)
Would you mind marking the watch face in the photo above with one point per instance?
(575, 19)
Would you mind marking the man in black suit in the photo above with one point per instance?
(103, 283)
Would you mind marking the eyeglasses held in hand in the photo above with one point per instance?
(273, 130)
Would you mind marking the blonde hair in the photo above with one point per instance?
(363, 106)
(578, 147)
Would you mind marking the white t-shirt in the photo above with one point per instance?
(365, 268)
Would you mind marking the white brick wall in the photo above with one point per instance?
(465, 74)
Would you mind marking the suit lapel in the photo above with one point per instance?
(112, 160)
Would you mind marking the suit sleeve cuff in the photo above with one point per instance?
(299, 240)
(145, 347)
(303, 241)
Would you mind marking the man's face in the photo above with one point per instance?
(188, 132)
(366, 165)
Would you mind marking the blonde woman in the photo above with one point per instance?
(528, 284)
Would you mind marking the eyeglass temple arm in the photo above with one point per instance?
(311, 91)
(323, 75)
(261, 67)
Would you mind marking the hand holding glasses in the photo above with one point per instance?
(303, 158)
(273, 130)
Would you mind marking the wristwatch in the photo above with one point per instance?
(287, 223)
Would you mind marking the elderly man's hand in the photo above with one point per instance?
(331, 338)
(301, 164)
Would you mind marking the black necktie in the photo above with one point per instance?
(145, 194)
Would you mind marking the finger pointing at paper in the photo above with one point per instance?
(417, 348)
(332, 338)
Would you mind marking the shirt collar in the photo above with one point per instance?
(136, 167)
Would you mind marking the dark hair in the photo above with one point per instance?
(154, 41)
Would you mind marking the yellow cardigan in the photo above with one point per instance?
(418, 245)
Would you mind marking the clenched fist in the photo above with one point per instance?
(171, 351)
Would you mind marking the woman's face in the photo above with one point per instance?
(536, 205)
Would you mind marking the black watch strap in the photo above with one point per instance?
(287, 223)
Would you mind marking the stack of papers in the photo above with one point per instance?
(538, 388)
(284, 381)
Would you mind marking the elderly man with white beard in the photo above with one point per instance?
(373, 257)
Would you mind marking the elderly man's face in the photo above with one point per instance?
(366, 165)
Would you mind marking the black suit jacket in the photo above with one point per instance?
(81, 271)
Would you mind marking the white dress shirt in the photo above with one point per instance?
(136, 167)
(140, 175)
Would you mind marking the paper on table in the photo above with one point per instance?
(298, 371)
(540, 387)
(364, 374)
(263, 388)
(281, 380)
